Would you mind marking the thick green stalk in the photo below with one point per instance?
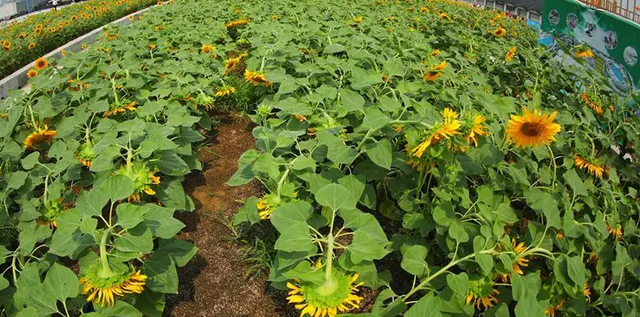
(106, 270)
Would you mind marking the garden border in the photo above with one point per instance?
(18, 79)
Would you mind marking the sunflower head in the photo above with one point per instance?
(256, 78)
(328, 299)
(477, 129)
(532, 129)
(481, 294)
(583, 51)
(39, 136)
(106, 288)
(41, 63)
(50, 213)
(510, 54)
(6, 45)
(32, 73)
(122, 108)
(499, 32)
(207, 48)
(225, 91)
(592, 166)
(142, 177)
(267, 204)
(358, 19)
(233, 64)
(86, 155)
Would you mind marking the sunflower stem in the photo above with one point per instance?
(106, 270)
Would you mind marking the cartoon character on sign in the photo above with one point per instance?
(611, 40)
(630, 56)
(572, 20)
(590, 28)
(554, 17)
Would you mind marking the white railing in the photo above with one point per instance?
(501, 5)
(629, 9)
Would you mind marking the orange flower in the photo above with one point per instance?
(32, 73)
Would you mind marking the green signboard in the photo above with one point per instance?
(614, 40)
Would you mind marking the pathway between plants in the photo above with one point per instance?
(213, 284)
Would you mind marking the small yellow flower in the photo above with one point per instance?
(233, 64)
(478, 129)
(593, 168)
(435, 73)
(358, 19)
(300, 118)
(207, 48)
(616, 231)
(102, 294)
(130, 107)
(32, 73)
(31, 46)
(236, 23)
(584, 53)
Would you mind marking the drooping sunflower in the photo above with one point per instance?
(591, 104)
(41, 63)
(267, 204)
(120, 109)
(32, 73)
(86, 155)
(444, 16)
(50, 212)
(477, 129)
(256, 78)
(532, 129)
(586, 291)
(584, 52)
(510, 54)
(499, 32)
(445, 130)
(521, 261)
(143, 178)
(481, 294)
(225, 91)
(436, 72)
(233, 64)
(105, 290)
(300, 118)
(593, 168)
(39, 136)
(616, 231)
(236, 23)
(207, 48)
(327, 300)
(551, 311)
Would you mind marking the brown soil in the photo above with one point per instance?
(213, 284)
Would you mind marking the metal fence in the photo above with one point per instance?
(629, 9)
(507, 7)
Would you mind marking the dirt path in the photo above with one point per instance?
(213, 283)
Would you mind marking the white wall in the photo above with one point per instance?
(8, 9)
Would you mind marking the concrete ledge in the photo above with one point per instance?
(19, 78)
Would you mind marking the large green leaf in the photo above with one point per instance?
(61, 282)
(413, 260)
(426, 306)
(117, 187)
(380, 153)
(336, 196)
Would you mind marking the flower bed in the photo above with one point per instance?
(428, 150)
(24, 41)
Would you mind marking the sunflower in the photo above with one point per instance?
(521, 261)
(225, 91)
(446, 130)
(6, 45)
(358, 19)
(593, 168)
(311, 131)
(424, 10)
(86, 155)
(31, 46)
(275, 17)
(615, 232)
(233, 63)
(51, 211)
(111, 36)
(256, 78)
(435, 53)
(207, 48)
(499, 32)
(591, 104)
(236, 23)
(41, 63)
(532, 129)
(510, 54)
(477, 129)
(39, 136)
(551, 311)
(444, 16)
(481, 294)
(143, 177)
(327, 300)
(63, 53)
(32, 73)
(586, 291)
(106, 290)
(583, 53)
(22, 35)
(131, 107)
(435, 72)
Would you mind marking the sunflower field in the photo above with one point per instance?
(426, 152)
(26, 40)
